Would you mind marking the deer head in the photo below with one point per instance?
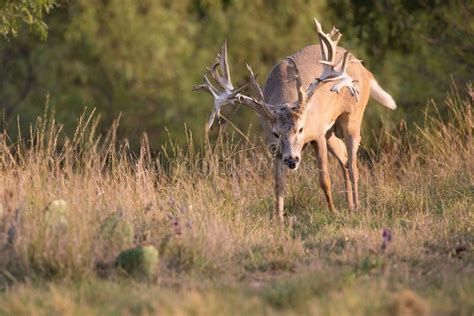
(288, 130)
(285, 120)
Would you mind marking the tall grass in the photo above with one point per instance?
(207, 208)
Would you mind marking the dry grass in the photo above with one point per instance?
(208, 212)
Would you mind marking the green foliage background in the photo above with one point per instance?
(141, 58)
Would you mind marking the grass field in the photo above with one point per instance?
(208, 212)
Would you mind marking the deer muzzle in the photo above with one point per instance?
(292, 162)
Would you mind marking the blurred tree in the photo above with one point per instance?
(142, 57)
(416, 45)
(415, 48)
(14, 13)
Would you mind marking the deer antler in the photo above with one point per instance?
(225, 93)
(330, 73)
(302, 95)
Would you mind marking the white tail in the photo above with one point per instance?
(381, 95)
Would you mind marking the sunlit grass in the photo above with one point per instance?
(208, 210)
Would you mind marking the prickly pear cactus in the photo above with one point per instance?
(117, 231)
(139, 262)
(55, 215)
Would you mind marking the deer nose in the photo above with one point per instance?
(291, 162)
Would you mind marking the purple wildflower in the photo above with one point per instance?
(386, 238)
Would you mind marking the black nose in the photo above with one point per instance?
(291, 162)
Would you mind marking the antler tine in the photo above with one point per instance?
(224, 64)
(302, 97)
(335, 34)
(259, 105)
(328, 45)
(254, 84)
(221, 62)
(206, 86)
(345, 60)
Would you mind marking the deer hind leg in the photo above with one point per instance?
(321, 149)
(352, 144)
(279, 188)
(338, 149)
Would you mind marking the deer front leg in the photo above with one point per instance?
(321, 149)
(352, 145)
(279, 188)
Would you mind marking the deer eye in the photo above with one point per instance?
(300, 131)
(276, 135)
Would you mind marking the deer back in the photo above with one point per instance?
(326, 106)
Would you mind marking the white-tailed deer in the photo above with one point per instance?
(323, 114)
